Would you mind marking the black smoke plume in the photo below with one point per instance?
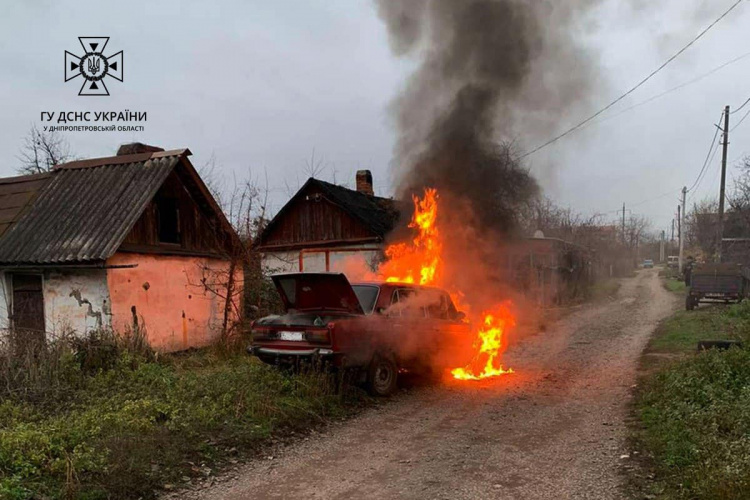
(490, 72)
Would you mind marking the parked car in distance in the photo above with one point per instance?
(648, 264)
(373, 328)
(673, 261)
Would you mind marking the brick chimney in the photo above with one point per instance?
(135, 148)
(364, 182)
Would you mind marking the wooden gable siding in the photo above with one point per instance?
(197, 233)
(312, 219)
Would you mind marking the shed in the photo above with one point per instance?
(106, 242)
(323, 224)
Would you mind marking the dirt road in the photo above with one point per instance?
(554, 430)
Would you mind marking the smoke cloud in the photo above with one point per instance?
(492, 76)
(490, 72)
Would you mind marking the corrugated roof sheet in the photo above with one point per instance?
(16, 193)
(86, 209)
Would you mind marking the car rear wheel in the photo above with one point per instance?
(690, 303)
(382, 376)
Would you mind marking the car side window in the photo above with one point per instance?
(438, 308)
(400, 304)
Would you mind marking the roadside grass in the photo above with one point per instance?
(144, 425)
(693, 408)
(675, 285)
(680, 333)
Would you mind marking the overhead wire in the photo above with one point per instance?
(636, 87)
(741, 120)
(700, 180)
(740, 108)
(674, 89)
(708, 155)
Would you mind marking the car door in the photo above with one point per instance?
(407, 318)
(450, 333)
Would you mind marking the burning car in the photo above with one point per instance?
(377, 328)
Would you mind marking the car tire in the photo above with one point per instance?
(689, 303)
(382, 376)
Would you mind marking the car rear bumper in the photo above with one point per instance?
(273, 355)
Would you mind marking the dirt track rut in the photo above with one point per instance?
(556, 429)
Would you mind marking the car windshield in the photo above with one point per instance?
(367, 295)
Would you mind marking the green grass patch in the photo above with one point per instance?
(675, 285)
(681, 332)
(693, 408)
(127, 431)
(695, 419)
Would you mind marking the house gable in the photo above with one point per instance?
(313, 218)
(179, 219)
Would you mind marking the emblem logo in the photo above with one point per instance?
(93, 65)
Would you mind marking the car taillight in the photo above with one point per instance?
(318, 336)
(261, 334)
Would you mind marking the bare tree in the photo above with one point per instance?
(701, 228)
(739, 197)
(42, 151)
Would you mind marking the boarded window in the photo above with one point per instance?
(28, 307)
(168, 220)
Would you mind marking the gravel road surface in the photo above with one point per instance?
(556, 429)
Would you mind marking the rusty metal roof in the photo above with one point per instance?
(84, 209)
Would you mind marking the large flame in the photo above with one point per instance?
(490, 339)
(421, 261)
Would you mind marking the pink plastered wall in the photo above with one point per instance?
(170, 298)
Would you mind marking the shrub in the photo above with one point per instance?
(125, 431)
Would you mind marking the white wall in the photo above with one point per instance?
(75, 300)
(4, 302)
(78, 300)
(353, 264)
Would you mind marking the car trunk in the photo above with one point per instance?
(313, 302)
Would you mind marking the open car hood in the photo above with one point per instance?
(317, 292)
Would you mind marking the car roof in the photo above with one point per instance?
(396, 284)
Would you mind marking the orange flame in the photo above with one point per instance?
(490, 339)
(421, 261)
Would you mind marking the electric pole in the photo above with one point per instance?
(661, 247)
(723, 181)
(623, 225)
(682, 225)
(671, 240)
(679, 237)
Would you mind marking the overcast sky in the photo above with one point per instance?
(258, 85)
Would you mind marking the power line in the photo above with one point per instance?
(637, 86)
(740, 108)
(741, 119)
(708, 155)
(700, 180)
(674, 89)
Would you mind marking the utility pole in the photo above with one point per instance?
(679, 237)
(661, 247)
(723, 181)
(671, 240)
(681, 225)
(623, 225)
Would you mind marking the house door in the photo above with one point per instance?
(28, 307)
